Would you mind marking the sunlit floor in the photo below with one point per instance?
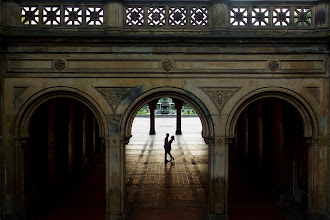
(177, 190)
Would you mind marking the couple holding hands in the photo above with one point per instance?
(167, 147)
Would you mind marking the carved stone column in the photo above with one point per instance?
(52, 144)
(178, 105)
(152, 107)
(115, 183)
(218, 178)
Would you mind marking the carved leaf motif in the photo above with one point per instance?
(220, 95)
(18, 91)
(315, 91)
(113, 94)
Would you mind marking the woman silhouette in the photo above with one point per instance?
(168, 148)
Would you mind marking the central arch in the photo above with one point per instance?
(179, 94)
(195, 102)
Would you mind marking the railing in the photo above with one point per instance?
(61, 15)
(272, 16)
(185, 15)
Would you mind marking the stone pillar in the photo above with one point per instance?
(71, 138)
(114, 15)
(218, 178)
(219, 16)
(152, 107)
(52, 144)
(259, 135)
(115, 184)
(178, 105)
(245, 128)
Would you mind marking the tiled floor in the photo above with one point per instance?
(177, 190)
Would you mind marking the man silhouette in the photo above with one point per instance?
(168, 148)
(165, 145)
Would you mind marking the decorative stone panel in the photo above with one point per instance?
(220, 95)
(315, 92)
(302, 17)
(178, 16)
(73, 16)
(30, 15)
(62, 15)
(113, 95)
(18, 91)
(51, 15)
(156, 16)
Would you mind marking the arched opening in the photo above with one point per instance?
(176, 189)
(268, 162)
(64, 167)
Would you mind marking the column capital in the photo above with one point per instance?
(152, 104)
(178, 103)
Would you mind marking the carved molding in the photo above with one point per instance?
(18, 91)
(113, 95)
(315, 92)
(220, 95)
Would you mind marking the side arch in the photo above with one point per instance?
(195, 102)
(307, 113)
(22, 121)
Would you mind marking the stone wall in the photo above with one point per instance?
(115, 68)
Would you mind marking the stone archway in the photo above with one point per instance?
(198, 105)
(131, 111)
(27, 113)
(309, 124)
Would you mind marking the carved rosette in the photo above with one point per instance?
(167, 65)
(220, 95)
(315, 92)
(113, 95)
(60, 65)
(273, 65)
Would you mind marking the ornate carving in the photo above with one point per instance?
(113, 94)
(60, 65)
(94, 15)
(199, 16)
(239, 16)
(303, 17)
(177, 16)
(18, 91)
(273, 65)
(220, 95)
(315, 91)
(167, 65)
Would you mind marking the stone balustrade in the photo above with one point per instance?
(169, 15)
